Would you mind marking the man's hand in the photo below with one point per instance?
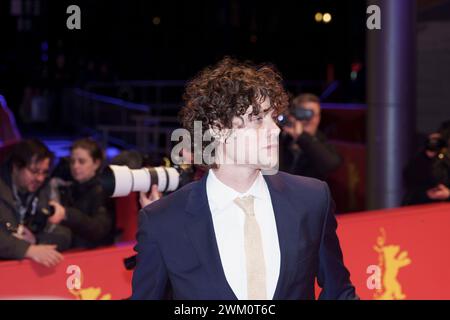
(295, 130)
(310, 127)
(24, 233)
(441, 192)
(60, 213)
(44, 254)
(145, 199)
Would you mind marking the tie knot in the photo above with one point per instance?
(246, 204)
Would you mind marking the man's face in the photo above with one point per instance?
(254, 139)
(31, 177)
(312, 125)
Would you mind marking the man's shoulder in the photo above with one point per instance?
(296, 182)
(170, 205)
(5, 189)
(303, 191)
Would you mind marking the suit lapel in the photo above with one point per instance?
(287, 221)
(200, 230)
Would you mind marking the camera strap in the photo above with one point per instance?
(27, 207)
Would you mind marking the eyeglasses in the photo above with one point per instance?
(37, 172)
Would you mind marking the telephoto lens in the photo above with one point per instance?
(120, 181)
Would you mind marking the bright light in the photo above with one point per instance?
(156, 21)
(318, 17)
(326, 18)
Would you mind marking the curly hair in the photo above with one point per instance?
(226, 90)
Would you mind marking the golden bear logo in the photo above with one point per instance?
(90, 294)
(74, 282)
(390, 261)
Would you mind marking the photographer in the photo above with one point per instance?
(84, 207)
(427, 176)
(24, 203)
(303, 148)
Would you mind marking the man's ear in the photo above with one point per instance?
(14, 171)
(222, 135)
(15, 168)
(218, 134)
(97, 164)
(238, 122)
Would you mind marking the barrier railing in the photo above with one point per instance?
(391, 254)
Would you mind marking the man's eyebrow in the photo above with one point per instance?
(263, 112)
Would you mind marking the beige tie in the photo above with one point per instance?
(256, 268)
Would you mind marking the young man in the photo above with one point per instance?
(236, 233)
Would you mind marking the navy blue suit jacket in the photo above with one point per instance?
(177, 247)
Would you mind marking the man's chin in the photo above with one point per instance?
(267, 168)
(33, 189)
(270, 169)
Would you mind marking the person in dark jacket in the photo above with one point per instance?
(86, 210)
(427, 175)
(304, 150)
(243, 231)
(24, 195)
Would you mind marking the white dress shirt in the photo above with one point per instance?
(228, 220)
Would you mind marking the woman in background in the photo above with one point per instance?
(87, 210)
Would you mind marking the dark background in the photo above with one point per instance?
(120, 41)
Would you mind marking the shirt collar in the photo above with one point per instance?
(220, 195)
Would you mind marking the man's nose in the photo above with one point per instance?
(40, 178)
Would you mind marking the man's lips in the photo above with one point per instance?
(34, 186)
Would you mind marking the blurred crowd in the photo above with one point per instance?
(41, 213)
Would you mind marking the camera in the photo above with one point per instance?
(130, 262)
(440, 168)
(298, 113)
(120, 181)
(440, 163)
(37, 222)
(435, 144)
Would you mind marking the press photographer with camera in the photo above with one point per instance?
(25, 231)
(83, 205)
(304, 149)
(427, 176)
